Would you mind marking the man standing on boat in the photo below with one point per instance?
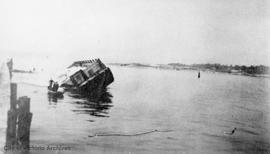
(53, 86)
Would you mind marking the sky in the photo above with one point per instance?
(147, 31)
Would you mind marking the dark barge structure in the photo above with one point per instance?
(85, 77)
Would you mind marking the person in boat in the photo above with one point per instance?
(55, 87)
(50, 84)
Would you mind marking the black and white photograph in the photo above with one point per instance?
(134, 76)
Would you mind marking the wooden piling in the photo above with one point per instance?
(10, 67)
(13, 96)
(12, 116)
(11, 139)
(19, 121)
(24, 122)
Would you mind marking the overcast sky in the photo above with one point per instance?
(149, 31)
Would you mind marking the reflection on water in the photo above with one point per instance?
(54, 98)
(96, 104)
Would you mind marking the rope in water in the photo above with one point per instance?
(136, 134)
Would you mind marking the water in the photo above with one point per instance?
(192, 112)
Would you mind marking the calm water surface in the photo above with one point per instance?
(192, 112)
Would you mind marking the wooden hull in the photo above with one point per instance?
(94, 86)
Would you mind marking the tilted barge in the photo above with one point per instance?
(89, 76)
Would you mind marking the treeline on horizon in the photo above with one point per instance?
(252, 69)
(241, 69)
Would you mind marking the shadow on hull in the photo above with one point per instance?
(95, 87)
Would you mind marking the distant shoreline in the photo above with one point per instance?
(253, 71)
(21, 71)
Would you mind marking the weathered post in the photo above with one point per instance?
(11, 128)
(24, 122)
(18, 122)
(10, 67)
(13, 96)
(12, 117)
